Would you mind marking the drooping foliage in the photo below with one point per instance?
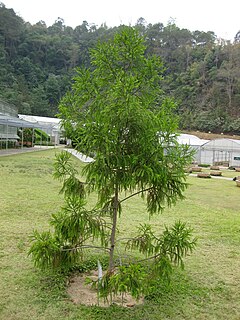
(74, 225)
(118, 111)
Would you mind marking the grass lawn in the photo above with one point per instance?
(208, 288)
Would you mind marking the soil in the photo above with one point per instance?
(82, 293)
(211, 136)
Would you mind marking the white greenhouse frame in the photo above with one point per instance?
(221, 152)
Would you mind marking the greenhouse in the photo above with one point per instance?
(194, 143)
(51, 126)
(224, 152)
(12, 131)
(20, 130)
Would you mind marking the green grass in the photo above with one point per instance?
(208, 288)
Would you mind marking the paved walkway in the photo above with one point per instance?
(9, 152)
(79, 155)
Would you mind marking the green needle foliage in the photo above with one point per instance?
(118, 111)
(74, 227)
(66, 173)
(174, 243)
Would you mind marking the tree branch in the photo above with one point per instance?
(149, 258)
(85, 247)
(134, 194)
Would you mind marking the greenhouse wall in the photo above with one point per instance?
(8, 132)
(8, 109)
(4, 131)
(224, 152)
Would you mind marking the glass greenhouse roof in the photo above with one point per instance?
(16, 122)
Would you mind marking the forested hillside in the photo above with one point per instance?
(201, 72)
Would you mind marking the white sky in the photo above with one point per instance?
(220, 16)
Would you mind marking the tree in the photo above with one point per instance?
(53, 92)
(11, 28)
(39, 103)
(121, 115)
(118, 111)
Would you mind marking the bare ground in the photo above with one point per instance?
(211, 136)
(82, 293)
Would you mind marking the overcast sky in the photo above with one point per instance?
(220, 16)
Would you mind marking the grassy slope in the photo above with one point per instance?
(209, 288)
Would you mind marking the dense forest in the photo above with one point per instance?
(202, 72)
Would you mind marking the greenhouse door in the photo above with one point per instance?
(222, 157)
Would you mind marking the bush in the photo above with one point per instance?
(203, 165)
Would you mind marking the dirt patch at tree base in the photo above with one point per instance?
(82, 293)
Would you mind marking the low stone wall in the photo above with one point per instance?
(196, 169)
(216, 173)
(203, 175)
(214, 168)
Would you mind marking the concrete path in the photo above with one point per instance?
(9, 152)
(79, 155)
(214, 177)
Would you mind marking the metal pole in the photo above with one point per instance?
(22, 140)
(7, 137)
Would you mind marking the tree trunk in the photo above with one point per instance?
(113, 233)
